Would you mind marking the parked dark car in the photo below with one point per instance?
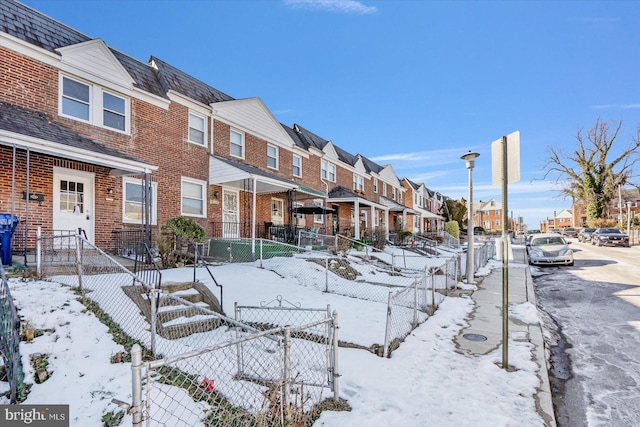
(570, 232)
(584, 235)
(609, 236)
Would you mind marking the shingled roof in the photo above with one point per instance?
(37, 125)
(177, 80)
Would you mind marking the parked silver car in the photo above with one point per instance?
(549, 249)
(609, 237)
(584, 235)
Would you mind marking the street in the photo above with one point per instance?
(596, 305)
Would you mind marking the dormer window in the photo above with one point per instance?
(93, 104)
(328, 171)
(358, 183)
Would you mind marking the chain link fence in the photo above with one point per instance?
(201, 366)
(10, 342)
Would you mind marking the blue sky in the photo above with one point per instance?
(412, 83)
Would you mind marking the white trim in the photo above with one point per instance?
(154, 200)
(277, 157)
(293, 165)
(205, 130)
(79, 154)
(203, 185)
(243, 145)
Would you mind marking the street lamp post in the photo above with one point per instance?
(469, 159)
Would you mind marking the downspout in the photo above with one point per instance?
(324, 203)
(253, 216)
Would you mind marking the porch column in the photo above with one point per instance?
(253, 217)
(404, 219)
(373, 220)
(356, 219)
(386, 224)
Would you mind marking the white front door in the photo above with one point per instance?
(230, 214)
(73, 195)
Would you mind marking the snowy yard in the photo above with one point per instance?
(425, 382)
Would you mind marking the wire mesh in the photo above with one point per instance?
(10, 342)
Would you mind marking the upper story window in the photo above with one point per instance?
(328, 171)
(133, 200)
(375, 185)
(497, 212)
(384, 189)
(272, 157)
(296, 167)
(393, 193)
(358, 182)
(92, 104)
(236, 147)
(197, 129)
(193, 197)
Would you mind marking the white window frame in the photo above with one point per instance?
(358, 182)
(241, 145)
(275, 156)
(203, 185)
(277, 211)
(294, 166)
(497, 223)
(203, 130)
(393, 192)
(364, 219)
(95, 104)
(384, 189)
(328, 171)
(375, 185)
(154, 197)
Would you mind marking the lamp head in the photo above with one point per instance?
(470, 158)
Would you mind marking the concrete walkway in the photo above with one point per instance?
(486, 321)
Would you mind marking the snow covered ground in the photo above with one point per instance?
(426, 382)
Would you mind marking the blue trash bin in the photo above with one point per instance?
(8, 224)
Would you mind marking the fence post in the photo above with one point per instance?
(136, 385)
(154, 313)
(336, 375)
(446, 278)
(261, 242)
(415, 302)
(39, 252)
(236, 310)
(433, 291)
(287, 374)
(387, 332)
(79, 261)
(393, 264)
(326, 274)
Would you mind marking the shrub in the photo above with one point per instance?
(177, 234)
(452, 228)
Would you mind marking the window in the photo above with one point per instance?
(384, 190)
(197, 129)
(296, 168)
(328, 171)
(71, 196)
(93, 104)
(113, 111)
(318, 218)
(75, 99)
(272, 157)
(364, 219)
(393, 193)
(358, 182)
(132, 200)
(298, 218)
(497, 212)
(237, 144)
(277, 211)
(193, 197)
(375, 185)
(497, 222)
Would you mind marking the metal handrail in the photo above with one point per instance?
(197, 256)
(152, 275)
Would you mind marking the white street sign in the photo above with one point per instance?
(513, 160)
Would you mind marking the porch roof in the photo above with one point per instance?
(394, 206)
(29, 129)
(342, 194)
(232, 173)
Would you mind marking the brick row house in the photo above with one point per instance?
(91, 138)
(488, 215)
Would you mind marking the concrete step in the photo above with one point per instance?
(177, 329)
(173, 287)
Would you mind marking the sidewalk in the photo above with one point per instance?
(486, 321)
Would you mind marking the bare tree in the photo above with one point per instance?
(588, 175)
